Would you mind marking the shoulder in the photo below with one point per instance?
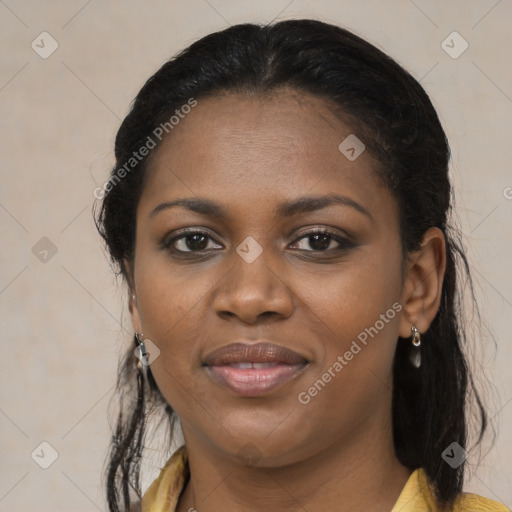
(419, 496)
(476, 503)
(163, 494)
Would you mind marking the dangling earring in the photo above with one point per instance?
(140, 355)
(415, 354)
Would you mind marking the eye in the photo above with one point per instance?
(197, 241)
(190, 241)
(321, 240)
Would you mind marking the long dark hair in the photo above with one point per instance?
(398, 124)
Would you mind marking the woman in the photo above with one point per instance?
(279, 210)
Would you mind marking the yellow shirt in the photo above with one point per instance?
(163, 494)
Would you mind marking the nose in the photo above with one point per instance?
(253, 292)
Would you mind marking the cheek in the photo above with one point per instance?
(162, 301)
(170, 296)
(356, 310)
(173, 307)
(355, 295)
(359, 328)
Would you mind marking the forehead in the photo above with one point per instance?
(241, 147)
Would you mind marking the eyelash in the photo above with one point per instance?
(344, 242)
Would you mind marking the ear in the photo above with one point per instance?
(424, 274)
(132, 297)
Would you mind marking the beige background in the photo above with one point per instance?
(63, 320)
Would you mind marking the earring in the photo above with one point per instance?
(415, 354)
(140, 356)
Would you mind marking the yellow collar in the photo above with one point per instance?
(416, 496)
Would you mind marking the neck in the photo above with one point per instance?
(358, 474)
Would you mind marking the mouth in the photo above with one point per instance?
(254, 370)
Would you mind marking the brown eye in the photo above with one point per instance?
(190, 242)
(195, 242)
(322, 240)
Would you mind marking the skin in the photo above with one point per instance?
(250, 154)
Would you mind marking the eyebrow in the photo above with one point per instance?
(298, 206)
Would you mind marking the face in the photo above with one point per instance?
(262, 261)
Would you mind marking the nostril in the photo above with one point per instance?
(267, 313)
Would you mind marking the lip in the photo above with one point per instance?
(254, 369)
